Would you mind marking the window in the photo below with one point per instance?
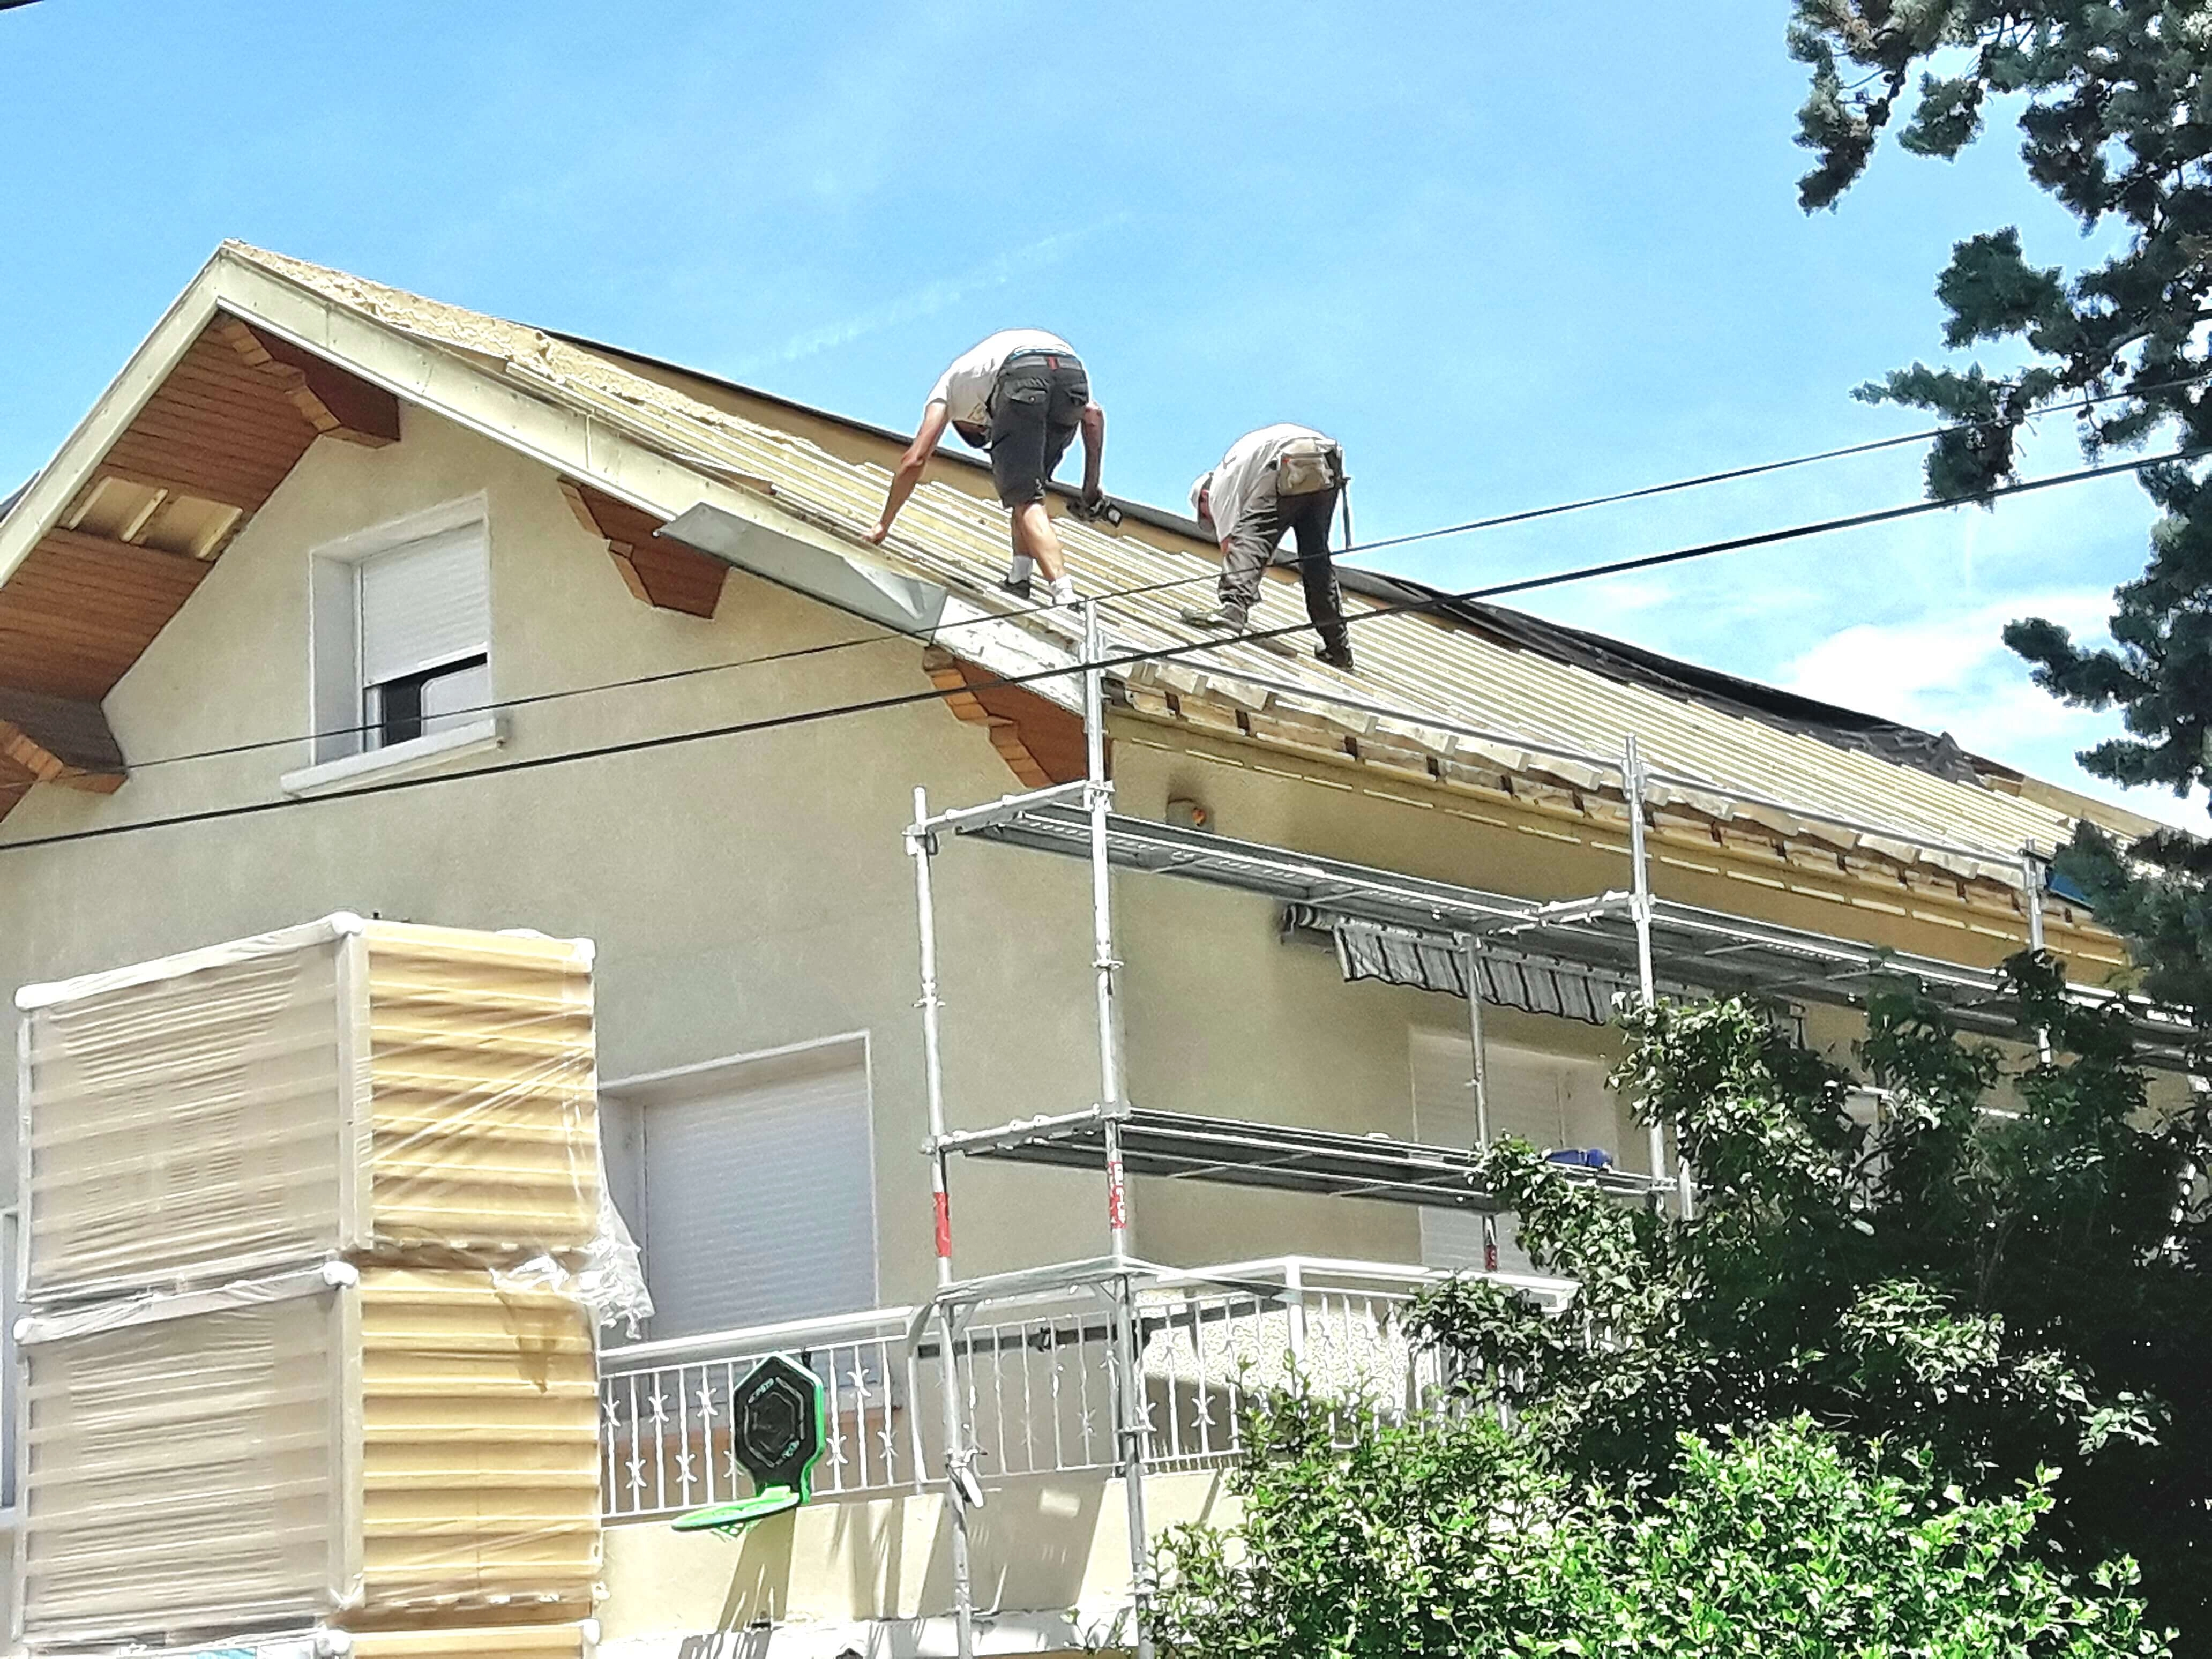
(1551, 1101)
(750, 1185)
(401, 645)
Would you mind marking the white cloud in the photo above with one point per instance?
(1951, 672)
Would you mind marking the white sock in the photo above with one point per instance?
(1017, 572)
(1063, 591)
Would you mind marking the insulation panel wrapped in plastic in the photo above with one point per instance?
(398, 1447)
(346, 1087)
(567, 1641)
(501, 1642)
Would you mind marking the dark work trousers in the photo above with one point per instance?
(1259, 531)
(1036, 405)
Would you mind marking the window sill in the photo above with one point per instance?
(399, 758)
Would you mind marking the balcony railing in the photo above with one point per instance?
(1037, 1379)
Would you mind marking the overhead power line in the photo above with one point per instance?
(905, 699)
(1750, 471)
(1522, 516)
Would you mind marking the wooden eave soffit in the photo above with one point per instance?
(1041, 743)
(665, 574)
(336, 402)
(60, 740)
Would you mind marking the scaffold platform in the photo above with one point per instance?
(1232, 1152)
(1707, 949)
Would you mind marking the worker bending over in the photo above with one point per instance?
(1021, 394)
(1275, 481)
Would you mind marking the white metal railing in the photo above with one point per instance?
(1037, 1378)
(664, 1425)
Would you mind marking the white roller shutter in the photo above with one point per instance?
(425, 604)
(1548, 1100)
(759, 1195)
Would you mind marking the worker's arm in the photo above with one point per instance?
(1094, 452)
(934, 419)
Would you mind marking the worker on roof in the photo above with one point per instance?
(1279, 480)
(1021, 394)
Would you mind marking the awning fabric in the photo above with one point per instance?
(1511, 978)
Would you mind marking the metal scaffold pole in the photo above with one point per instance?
(1478, 1081)
(919, 844)
(1640, 910)
(2031, 886)
(1127, 1357)
(1632, 786)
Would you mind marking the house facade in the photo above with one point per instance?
(342, 600)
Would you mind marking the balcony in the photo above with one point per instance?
(1038, 1382)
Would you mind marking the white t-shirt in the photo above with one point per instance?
(1230, 485)
(964, 387)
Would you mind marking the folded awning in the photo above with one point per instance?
(1511, 978)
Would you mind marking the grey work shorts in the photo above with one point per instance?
(1036, 406)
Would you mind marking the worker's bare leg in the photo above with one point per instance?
(1035, 537)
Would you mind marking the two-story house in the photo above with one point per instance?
(344, 599)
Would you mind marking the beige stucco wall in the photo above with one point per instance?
(1041, 1545)
(751, 892)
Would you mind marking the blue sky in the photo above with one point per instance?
(1510, 254)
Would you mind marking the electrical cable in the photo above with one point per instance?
(1754, 471)
(903, 699)
(1523, 516)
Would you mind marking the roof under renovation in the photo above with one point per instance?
(1474, 696)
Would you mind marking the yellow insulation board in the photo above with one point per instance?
(501, 1642)
(346, 1088)
(420, 1448)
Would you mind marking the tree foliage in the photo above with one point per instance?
(1452, 1540)
(2114, 110)
(1999, 1277)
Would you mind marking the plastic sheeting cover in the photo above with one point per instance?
(421, 1447)
(576, 1640)
(345, 1087)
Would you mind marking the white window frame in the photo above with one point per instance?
(635, 1095)
(333, 648)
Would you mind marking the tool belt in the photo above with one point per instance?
(1307, 467)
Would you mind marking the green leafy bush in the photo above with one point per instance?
(1888, 1392)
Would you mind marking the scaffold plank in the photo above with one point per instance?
(1233, 1151)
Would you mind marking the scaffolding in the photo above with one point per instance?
(1619, 932)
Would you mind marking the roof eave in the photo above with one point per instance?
(39, 506)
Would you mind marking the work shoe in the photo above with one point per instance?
(1338, 655)
(1020, 589)
(1227, 618)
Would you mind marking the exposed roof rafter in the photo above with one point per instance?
(336, 404)
(1041, 743)
(54, 740)
(658, 572)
